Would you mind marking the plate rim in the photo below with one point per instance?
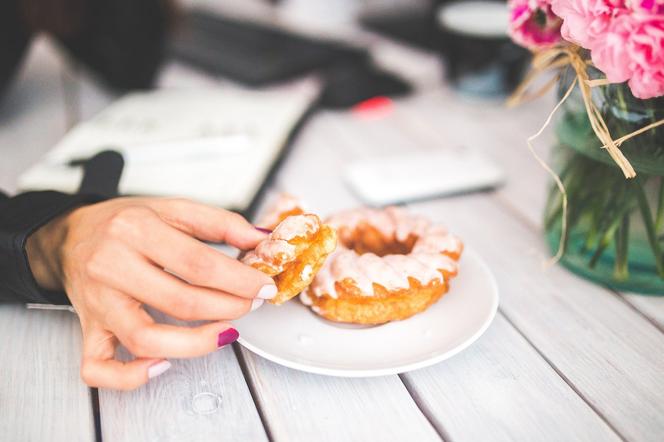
(397, 369)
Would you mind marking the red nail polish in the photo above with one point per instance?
(261, 229)
(227, 336)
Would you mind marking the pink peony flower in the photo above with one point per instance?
(584, 20)
(646, 6)
(647, 84)
(533, 24)
(609, 50)
(625, 37)
(645, 49)
(631, 48)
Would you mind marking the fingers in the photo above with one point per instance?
(209, 223)
(151, 285)
(99, 369)
(200, 264)
(118, 375)
(138, 332)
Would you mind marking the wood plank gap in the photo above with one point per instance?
(96, 415)
(442, 433)
(562, 376)
(252, 389)
(644, 315)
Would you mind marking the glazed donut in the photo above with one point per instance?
(389, 265)
(293, 253)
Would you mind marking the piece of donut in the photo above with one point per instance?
(388, 266)
(284, 206)
(293, 253)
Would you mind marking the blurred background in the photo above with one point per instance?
(204, 99)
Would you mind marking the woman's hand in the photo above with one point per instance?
(110, 258)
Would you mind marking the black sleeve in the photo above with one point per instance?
(20, 216)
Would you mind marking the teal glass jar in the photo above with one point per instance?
(615, 233)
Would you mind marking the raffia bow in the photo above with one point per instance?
(556, 58)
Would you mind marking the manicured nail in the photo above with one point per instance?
(257, 302)
(261, 229)
(158, 368)
(268, 291)
(227, 336)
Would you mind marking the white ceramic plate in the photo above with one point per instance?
(293, 336)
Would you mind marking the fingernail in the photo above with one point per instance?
(257, 302)
(268, 291)
(264, 230)
(158, 368)
(227, 336)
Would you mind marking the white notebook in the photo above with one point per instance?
(213, 145)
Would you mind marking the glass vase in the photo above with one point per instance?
(615, 226)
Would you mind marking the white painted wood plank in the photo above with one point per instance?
(606, 350)
(323, 188)
(442, 118)
(299, 406)
(202, 399)
(650, 306)
(603, 347)
(41, 349)
(312, 171)
(500, 389)
(466, 411)
(118, 409)
(41, 394)
(501, 133)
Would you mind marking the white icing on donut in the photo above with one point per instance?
(324, 276)
(437, 260)
(251, 258)
(382, 271)
(276, 251)
(410, 266)
(406, 224)
(345, 265)
(285, 203)
(306, 273)
(393, 222)
(424, 263)
(305, 299)
(350, 219)
(294, 226)
(437, 239)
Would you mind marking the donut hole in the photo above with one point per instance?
(368, 239)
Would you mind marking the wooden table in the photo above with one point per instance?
(563, 360)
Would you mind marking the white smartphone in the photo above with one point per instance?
(421, 175)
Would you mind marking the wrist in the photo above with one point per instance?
(44, 250)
